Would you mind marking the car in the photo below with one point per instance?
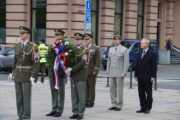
(7, 59)
(133, 47)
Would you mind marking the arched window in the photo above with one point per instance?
(118, 17)
(38, 20)
(2, 21)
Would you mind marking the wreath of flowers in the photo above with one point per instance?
(65, 50)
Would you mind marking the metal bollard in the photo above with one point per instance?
(155, 85)
(130, 86)
(107, 85)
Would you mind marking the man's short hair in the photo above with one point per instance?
(145, 40)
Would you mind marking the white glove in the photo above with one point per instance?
(32, 79)
(10, 77)
(68, 71)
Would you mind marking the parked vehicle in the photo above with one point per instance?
(133, 50)
(7, 59)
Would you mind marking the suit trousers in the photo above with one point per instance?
(145, 94)
(57, 96)
(90, 88)
(23, 100)
(116, 91)
(78, 95)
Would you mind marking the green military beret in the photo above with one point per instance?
(117, 37)
(59, 32)
(23, 30)
(78, 36)
(87, 36)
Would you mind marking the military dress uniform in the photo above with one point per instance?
(93, 69)
(57, 96)
(117, 65)
(78, 82)
(26, 63)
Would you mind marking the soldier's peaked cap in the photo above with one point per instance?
(59, 31)
(23, 29)
(117, 37)
(87, 36)
(78, 36)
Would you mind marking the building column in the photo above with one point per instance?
(107, 22)
(151, 19)
(78, 16)
(57, 17)
(176, 28)
(17, 14)
(167, 21)
(130, 19)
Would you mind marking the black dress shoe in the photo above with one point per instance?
(35, 81)
(146, 111)
(58, 114)
(90, 105)
(52, 113)
(140, 111)
(42, 81)
(74, 116)
(87, 103)
(118, 109)
(112, 108)
(80, 117)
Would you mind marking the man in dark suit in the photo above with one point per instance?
(145, 74)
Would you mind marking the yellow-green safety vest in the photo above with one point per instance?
(43, 50)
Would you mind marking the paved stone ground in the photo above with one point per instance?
(166, 104)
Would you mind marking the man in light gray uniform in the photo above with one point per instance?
(117, 67)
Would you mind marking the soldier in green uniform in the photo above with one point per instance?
(25, 70)
(56, 95)
(79, 77)
(93, 69)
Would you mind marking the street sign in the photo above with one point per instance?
(87, 22)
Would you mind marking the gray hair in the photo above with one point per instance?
(145, 40)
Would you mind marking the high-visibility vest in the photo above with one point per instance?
(43, 50)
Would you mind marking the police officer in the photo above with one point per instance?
(79, 77)
(56, 95)
(93, 69)
(117, 67)
(43, 50)
(25, 70)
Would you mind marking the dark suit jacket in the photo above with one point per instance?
(146, 67)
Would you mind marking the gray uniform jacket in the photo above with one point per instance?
(118, 61)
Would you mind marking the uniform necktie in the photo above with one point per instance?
(144, 52)
(22, 46)
(115, 49)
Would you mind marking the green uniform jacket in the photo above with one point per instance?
(25, 67)
(79, 70)
(95, 59)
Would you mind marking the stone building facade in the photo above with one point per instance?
(132, 19)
